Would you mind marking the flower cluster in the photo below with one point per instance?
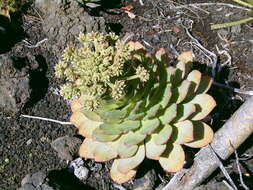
(101, 68)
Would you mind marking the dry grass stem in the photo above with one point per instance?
(194, 5)
(47, 119)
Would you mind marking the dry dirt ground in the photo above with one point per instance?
(27, 69)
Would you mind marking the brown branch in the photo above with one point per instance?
(235, 131)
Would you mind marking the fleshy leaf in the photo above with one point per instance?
(87, 148)
(110, 129)
(85, 125)
(127, 164)
(185, 57)
(129, 125)
(179, 93)
(204, 85)
(170, 71)
(105, 151)
(194, 77)
(166, 96)
(113, 114)
(91, 115)
(78, 119)
(153, 150)
(173, 158)
(126, 151)
(119, 177)
(184, 111)
(148, 126)
(169, 114)
(133, 138)
(204, 105)
(163, 135)
(152, 112)
(135, 45)
(183, 132)
(100, 136)
(134, 117)
(75, 105)
(203, 135)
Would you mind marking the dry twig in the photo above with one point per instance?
(239, 169)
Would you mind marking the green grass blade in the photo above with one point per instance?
(244, 3)
(228, 24)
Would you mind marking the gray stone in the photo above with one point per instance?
(147, 182)
(27, 187)
(38, 178)
(66, 147)
(26, 179)
(46, 187)
(79, 170)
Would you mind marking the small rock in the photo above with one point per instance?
(26, 179)
(147, 182)
(66, 147)
(27, 187)
(46, 187)
(80, 171)
(38, 178)
(29, 142)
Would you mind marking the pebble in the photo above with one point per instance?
(79, 170)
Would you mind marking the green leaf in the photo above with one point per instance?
(152, 111)
(92, 115)
(105, 152)
(134, 117)
(184, 111)
(113, 114)
(204, 85)
(127, 164)
(100, 136)
(110, 129)
(126, 151)
(204, 105)
(173, 158)
(194, 77)
(153, 150)
(129, 125)
(133, 138)
(119, 177)
(163, 135)
(166, 96)
(180, 93)
(203, 135)
(183, 132)
(170, 71)
(148, 126)
(169, 114)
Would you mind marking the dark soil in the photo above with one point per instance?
(25, 143)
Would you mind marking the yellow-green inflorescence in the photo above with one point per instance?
(100, 68)
(130, 104)
(10, 5)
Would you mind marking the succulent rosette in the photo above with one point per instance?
(145, 108)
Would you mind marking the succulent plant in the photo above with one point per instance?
(155, 109)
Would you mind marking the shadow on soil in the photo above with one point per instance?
(11, 32)
(64, 180)
(38, 80)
